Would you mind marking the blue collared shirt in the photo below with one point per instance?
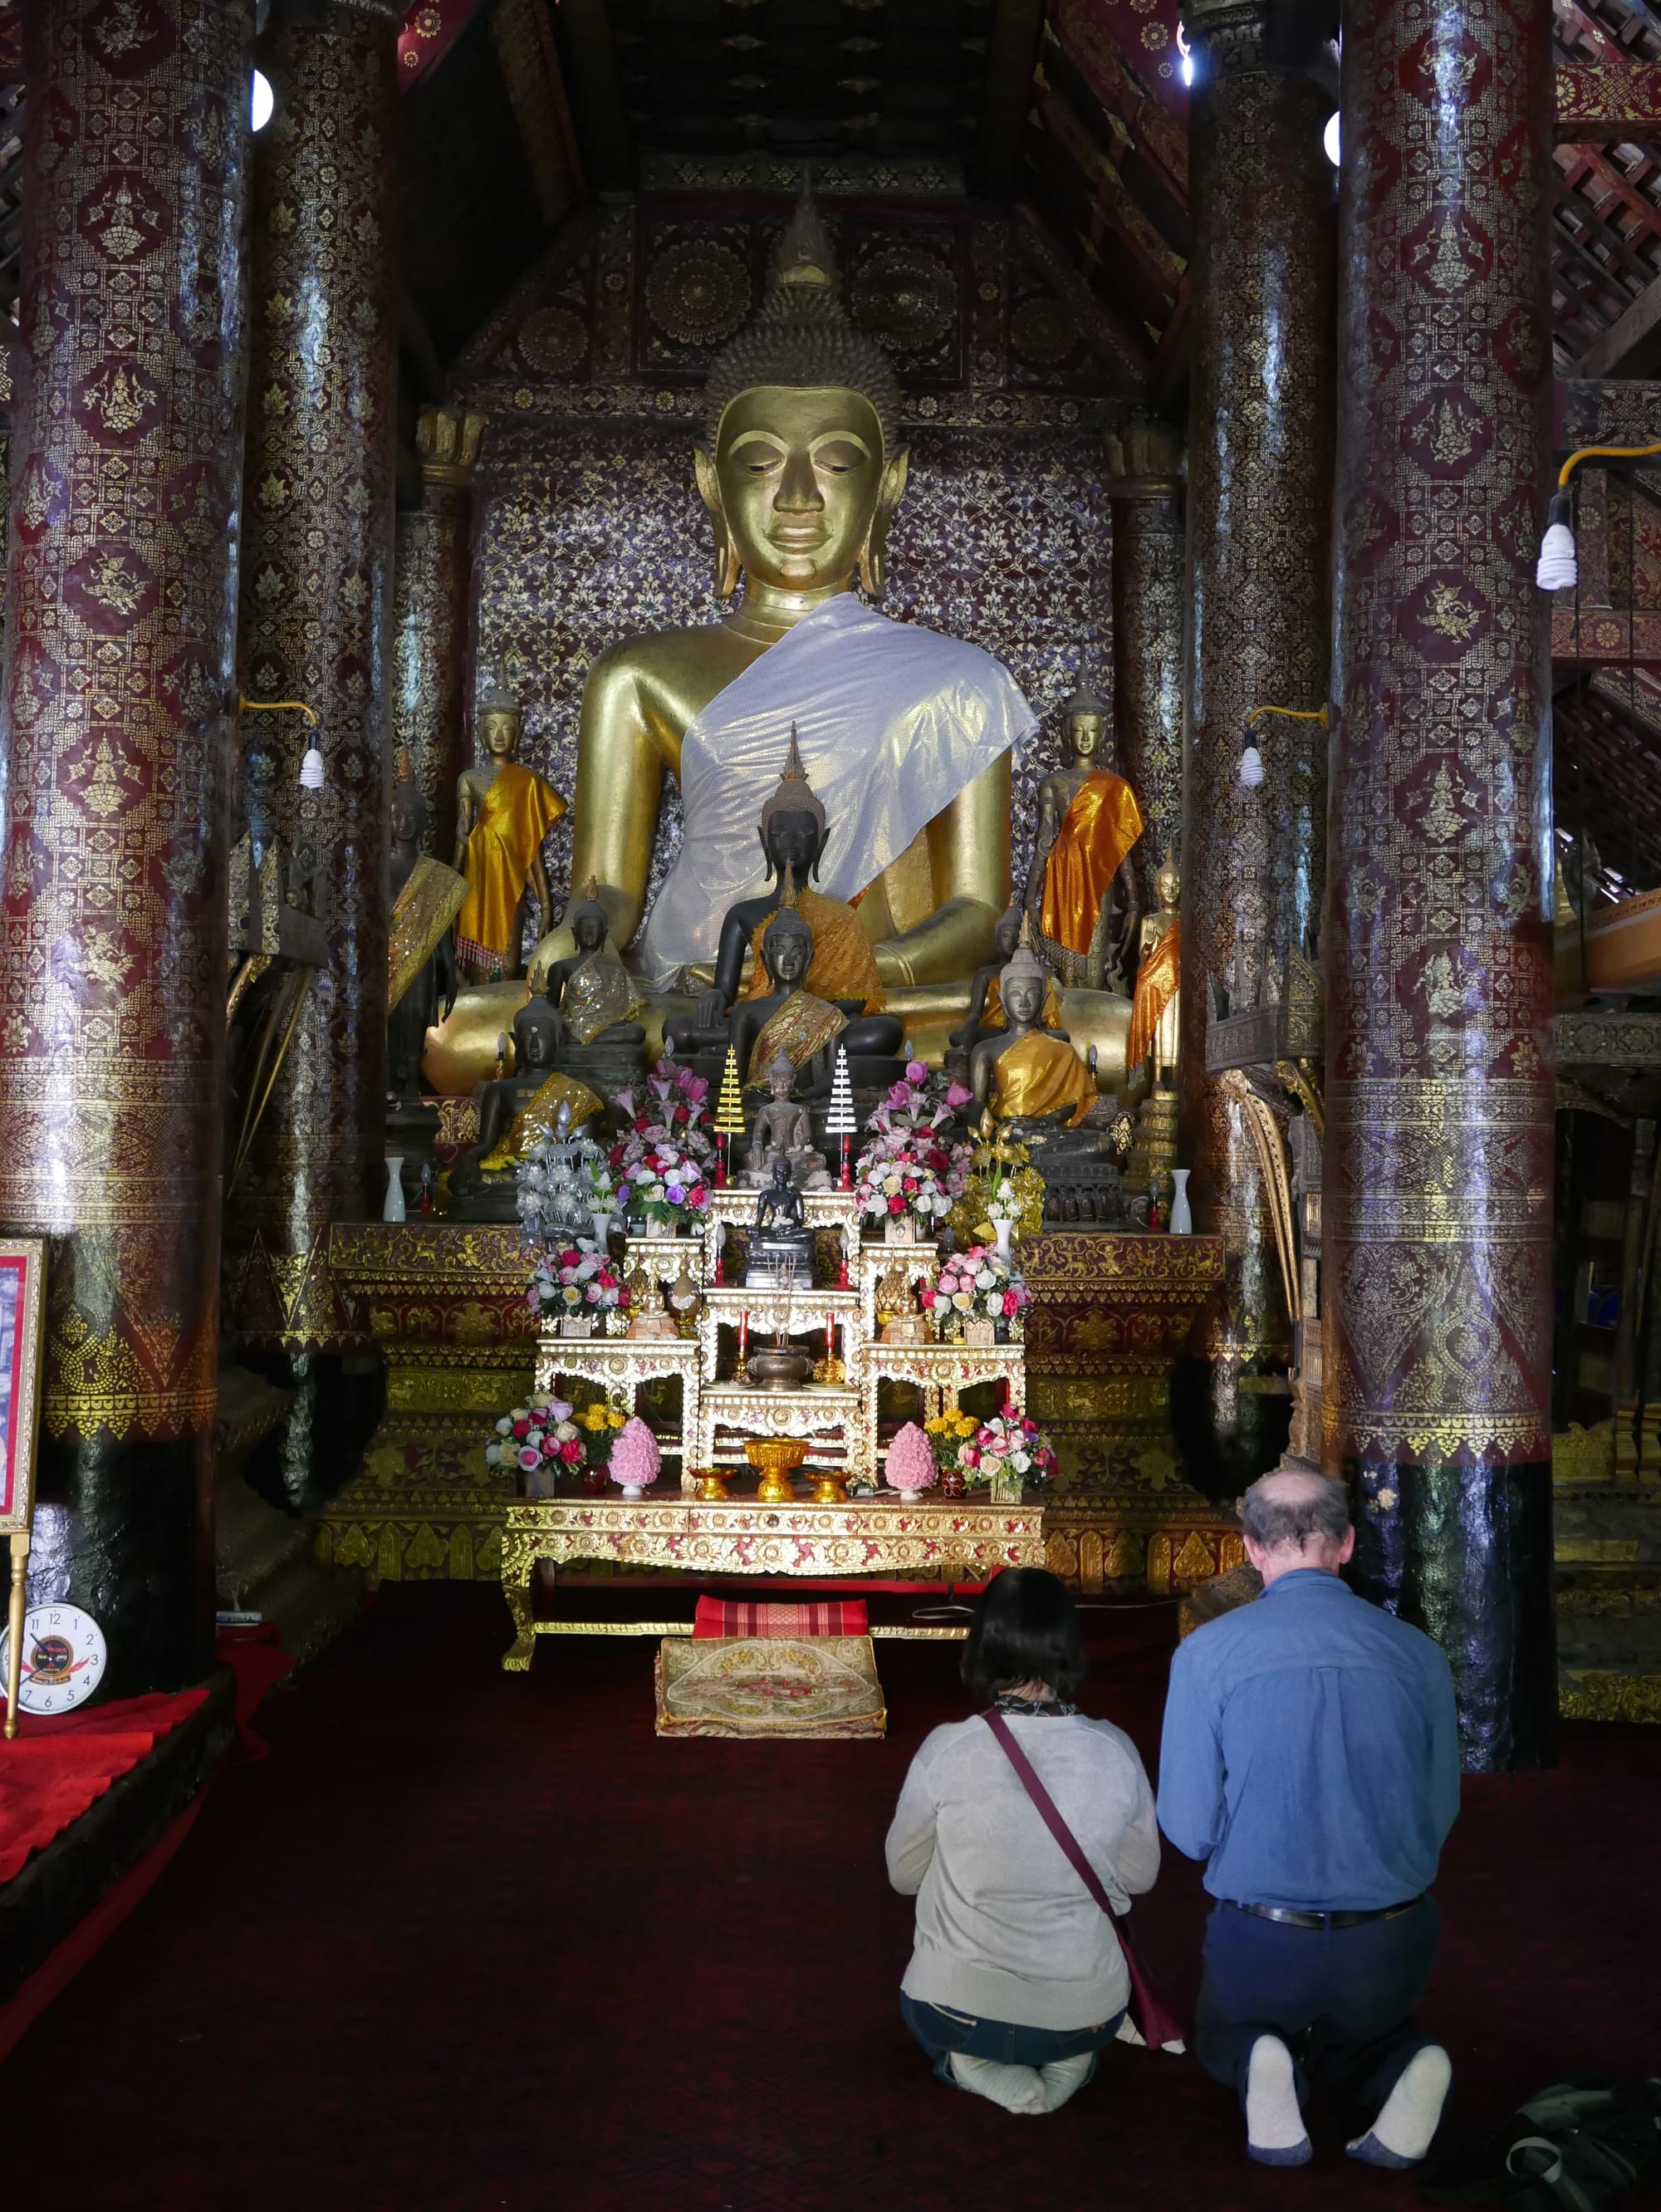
(1311, 1751)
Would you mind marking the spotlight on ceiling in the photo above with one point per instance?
(263, 101)
(1330, 138)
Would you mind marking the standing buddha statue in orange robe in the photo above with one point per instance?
(1159, 979)
(1088, 821)
(503, 812)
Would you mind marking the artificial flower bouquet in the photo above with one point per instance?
(1009, 1451)
(947, 1434)
(601, 1424)
(976, 1285)
(575, 1281)
(541, 1440)
(911, 1461)
(664, 1162)
(910, 1165)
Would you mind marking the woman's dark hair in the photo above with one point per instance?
(1025, 1629)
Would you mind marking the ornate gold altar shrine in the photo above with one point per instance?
(445, 1306)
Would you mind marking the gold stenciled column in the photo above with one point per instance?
(316, 601)
(1259, 484)
(125, 516)
(1145, 471)
(429, 616)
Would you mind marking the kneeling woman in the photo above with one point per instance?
(1016, 1980)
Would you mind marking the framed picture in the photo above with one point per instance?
(22, 1324)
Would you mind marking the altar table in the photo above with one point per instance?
(928, 1539)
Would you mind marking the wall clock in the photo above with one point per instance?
(64, 1656)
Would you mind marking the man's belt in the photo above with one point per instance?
(1290, 1917)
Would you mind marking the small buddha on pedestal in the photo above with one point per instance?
(516, 1111)
(594, 1000)
(784, 1129)
(780, 1244)
(1026, 1072)
(790, 1018)
(503, 812)
(1088, 821)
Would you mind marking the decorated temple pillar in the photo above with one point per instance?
(1439, 1096)
(316, 599)
(429, 616)
(1259, 488)
(1144, 473)
(125, 517)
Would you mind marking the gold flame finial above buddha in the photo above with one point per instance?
(795, 794)
(801, 338)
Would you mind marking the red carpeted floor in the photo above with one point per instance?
(468, 1939)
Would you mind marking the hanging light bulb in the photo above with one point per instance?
(1557, 569)
(1251, 768)
(310, 769)
(1184, 49)
(1331, 139)
(263, 100)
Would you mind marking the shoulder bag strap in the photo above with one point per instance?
(1048, 1811)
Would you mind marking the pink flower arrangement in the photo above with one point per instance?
(1008, 1444)
(909, 1166)
(662, 1161)
(539, 1439)
(636, 1462)
(976, 1283)
(576, 1281)
(910, 1459)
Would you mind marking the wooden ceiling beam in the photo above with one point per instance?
(1631, 345)
(601, 111)
(1012, 45)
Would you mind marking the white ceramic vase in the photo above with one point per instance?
(393, 1210)
(602, 1228)
(1002, 1224)
(1182, 1221)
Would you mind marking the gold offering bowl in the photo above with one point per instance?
(777, 1457)
(712, 1486)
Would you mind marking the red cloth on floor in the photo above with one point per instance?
(58, 1765)
(257, 1660)
(718, 1616)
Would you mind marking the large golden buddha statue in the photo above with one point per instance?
(905, 734)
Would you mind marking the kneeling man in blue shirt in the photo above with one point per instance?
(1311, 1756)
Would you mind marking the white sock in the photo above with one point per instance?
(1061, 2076)
(1273, 2121)
(1017, 2088)
(1412, 2109)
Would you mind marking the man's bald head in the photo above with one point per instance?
(1292, 1520)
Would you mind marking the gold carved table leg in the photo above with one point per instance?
(518, 1565)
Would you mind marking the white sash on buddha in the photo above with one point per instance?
(893, 720)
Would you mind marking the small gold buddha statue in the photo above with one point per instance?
(783, 1126)
(1088, 821)
(515, 1112)
(503, 812)
(421, 945)
(1025, 1072)
(788, 1018)
(793, 833)
(1154, 1009)
(907, 734)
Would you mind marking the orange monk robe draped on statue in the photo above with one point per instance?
(1102, 824)
(1157, 982)
(844, 964)
(514, 816)
(1039, 1074)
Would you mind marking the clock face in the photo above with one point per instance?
(64, 1659)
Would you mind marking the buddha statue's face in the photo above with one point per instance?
(800, 482)
(779, 1083)
(406, 814)
(1086, 736)
(1168, 885)
(1023, 1000)
(791, 840)
(1006, 935)
(534, 1041)
(499, 733)
(789, 957)
(588, 930)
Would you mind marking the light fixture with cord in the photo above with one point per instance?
(1557, 569)
(1250, 767)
